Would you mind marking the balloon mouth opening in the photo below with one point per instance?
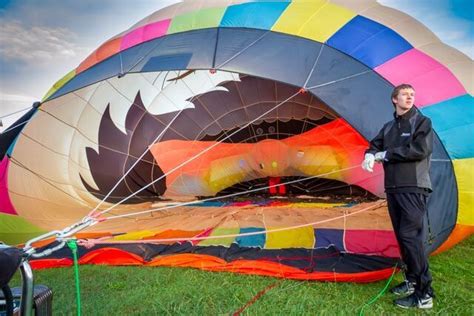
(296, 188)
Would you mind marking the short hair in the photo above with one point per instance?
(397, 89)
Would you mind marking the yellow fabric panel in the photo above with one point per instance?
(135, 235)
(221, 241)
(292, 238)
(224, 173)
(316, 20)
(61, 82)
(464, 170)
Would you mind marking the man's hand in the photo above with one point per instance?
(380, 156)
(368, 163)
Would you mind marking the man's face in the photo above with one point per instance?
(405, 99)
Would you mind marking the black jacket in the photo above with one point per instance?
(408, 140)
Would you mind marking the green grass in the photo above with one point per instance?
(171, 291)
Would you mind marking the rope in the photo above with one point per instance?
(91, 242)
(376, 297)
(15, 126)
(72, 244)
(12, 113)
(197, 155)
(134, 164)
(230, 195)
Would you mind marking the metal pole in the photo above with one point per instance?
(26, 303)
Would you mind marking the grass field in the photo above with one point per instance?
(171, 291)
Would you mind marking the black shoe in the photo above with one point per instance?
(413, 301)
(404, 288)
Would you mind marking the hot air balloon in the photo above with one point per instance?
(171, 134)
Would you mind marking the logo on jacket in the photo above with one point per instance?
(405, 134)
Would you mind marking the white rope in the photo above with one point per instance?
(196, 156)
(231, 195)
(250, 233)
(12, 113)
(15, 126)
(134, 164)
(243, 50)
(338, 80)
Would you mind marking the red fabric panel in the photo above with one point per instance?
(372, 242)
(37, 264)
(110, 256)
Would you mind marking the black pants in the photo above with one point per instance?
(407, 211)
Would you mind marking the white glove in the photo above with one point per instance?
(380, 156)
(368, 163)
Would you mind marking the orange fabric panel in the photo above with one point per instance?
(199, 261)
(175, 233)
(106, 50)
(264, 268)
(93, 235)
(111, 256)
(459, 233)
(43, 242)
(337, 135)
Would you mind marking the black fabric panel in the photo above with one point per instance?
(443, 202)
(7, 138)
(309, 260)
(332, 65)
(110, 67)
(363, 101)
(277, 56)
(188, 50)
(104, 70)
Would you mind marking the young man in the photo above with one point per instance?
(404, 146)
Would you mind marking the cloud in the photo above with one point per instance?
(5, 97)
(36, 44)
(12, 107)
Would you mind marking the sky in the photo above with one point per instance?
(42, 40)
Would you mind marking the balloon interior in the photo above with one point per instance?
(228, 136)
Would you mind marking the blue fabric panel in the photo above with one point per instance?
(265, 54)
(368, 41)
(328, 237)
(253, 240)
(12, 145)
(209, 204)
(453, 121)
(459, 141)
(257, 15)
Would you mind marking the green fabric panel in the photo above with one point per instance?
(201, 19)
(16, 230)
(221, 241)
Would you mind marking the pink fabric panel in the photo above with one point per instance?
(145, 33)
(372, 242)
(6, 205)
(432, 81)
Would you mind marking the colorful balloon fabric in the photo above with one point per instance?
(215, 98)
